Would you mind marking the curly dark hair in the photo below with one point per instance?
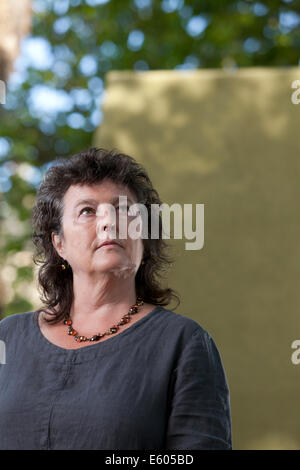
(90, 167)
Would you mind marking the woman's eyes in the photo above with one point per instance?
(86, 208)
(123, 209)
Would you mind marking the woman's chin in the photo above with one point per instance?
(118, 266)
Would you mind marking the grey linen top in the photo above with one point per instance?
(159, 384)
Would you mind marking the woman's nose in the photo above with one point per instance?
(106, 220)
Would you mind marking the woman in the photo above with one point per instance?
(104, 365)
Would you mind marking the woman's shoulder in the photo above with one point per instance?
(13, 321)
(182, 325)
(195, 347)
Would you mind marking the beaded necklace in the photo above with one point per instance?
(125, 319)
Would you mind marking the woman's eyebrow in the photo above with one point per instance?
(93, 201)
(85, 201)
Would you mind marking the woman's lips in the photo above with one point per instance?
(108, 244)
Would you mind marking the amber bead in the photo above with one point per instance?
(133, 309)
(74, 332)
(95, 338)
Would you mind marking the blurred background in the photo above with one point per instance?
(200, 93)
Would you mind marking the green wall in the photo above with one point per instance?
(229, 141)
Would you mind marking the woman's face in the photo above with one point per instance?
(87, 220)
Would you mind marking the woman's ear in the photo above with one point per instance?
(57, 243)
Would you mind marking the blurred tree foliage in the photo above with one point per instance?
(75, 42)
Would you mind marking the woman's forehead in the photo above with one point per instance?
(104, 191)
